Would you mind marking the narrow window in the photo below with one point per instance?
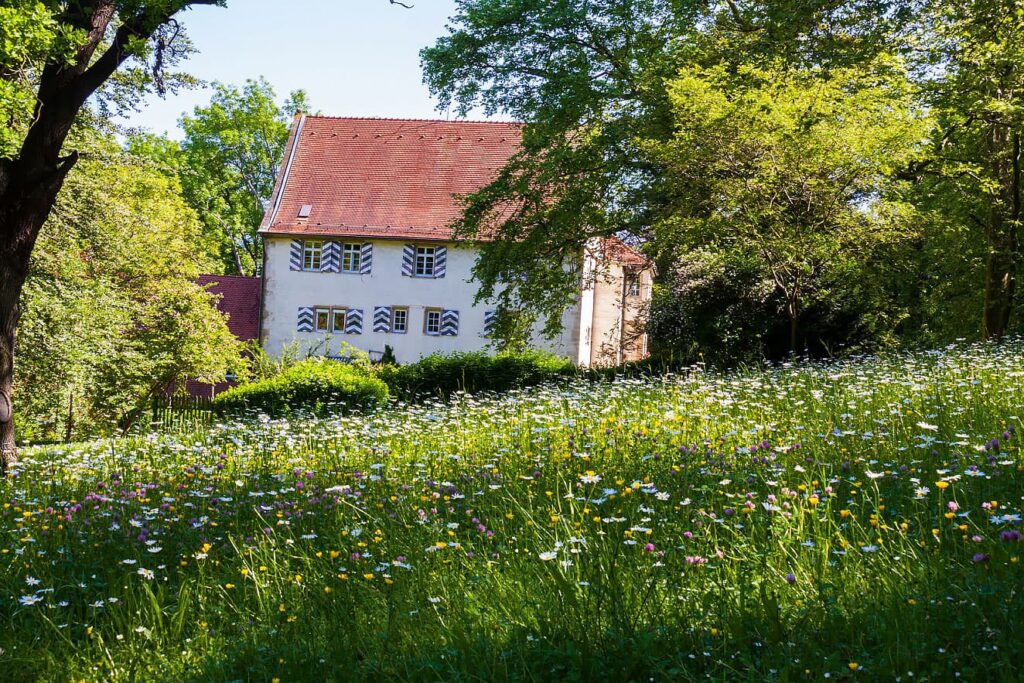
(432, 321)
(425, 261)
(338, 320)
(351, 258)
(634, 286)
(312, 253)
(399, 320)
(323, 320)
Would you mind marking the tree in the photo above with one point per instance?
(230, 154)
(589, 77)
(67, 53)
(112, 314)
(972, 75)
(791, 168)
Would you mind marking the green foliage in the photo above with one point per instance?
(444, 374)
(229, 159)
(791, 171)
(317, 386)
(111, 311)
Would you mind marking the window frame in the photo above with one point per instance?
(427, 312)
(395, 310)
(317, 312)
(355, 252)
(335, 311)
(312, 250)
(633, 286)
(425, 253)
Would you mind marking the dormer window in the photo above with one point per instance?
(312, 254)
(426, 258)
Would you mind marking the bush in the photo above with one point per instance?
(315, 386)
(444, 374)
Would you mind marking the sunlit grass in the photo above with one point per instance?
(854, 519)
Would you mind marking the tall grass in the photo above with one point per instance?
(848, 520)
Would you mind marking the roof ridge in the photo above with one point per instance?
(411, 120)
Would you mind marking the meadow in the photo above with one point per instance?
(851, 520)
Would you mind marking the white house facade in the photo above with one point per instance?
(357, 248)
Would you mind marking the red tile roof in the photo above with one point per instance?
(386, 178)
(620, 252)
(239, 299)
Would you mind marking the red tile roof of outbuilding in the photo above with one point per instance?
(239, 299)
(385, 178)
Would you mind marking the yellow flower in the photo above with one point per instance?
(844, 513)
(853, 666)
(368, 577)
(942, 484)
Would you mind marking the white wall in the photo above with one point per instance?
(285, 291)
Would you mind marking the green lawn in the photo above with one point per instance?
(856, 520)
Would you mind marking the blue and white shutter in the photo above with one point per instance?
(441, 264)
(490, 318)
(366, 259)
(305, 322)
(408, 260)
(354, 321)
(382, 319)
(295, 256)
(449, 323)
(330, 257)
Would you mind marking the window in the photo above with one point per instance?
(432, 321)
(338, 320)
(634, 286)
(425, 262)
(312, 253)
(400, 320)
(323, 320)
(351, 258)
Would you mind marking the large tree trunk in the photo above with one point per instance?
(1003, 232)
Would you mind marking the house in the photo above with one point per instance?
(358, 247)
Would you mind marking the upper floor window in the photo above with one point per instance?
(400, 320)
(432, 321)
(351, 258)
(425, 260)
(312, 254)
(633, 288)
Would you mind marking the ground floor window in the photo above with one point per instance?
(338, 319)
(323, 320)
(432, 321)
(399, 320)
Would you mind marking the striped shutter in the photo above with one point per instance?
(441, 264)
(449, 323)
(382, 319)
(366, 259)
(354, 321)
(408, 260)
(305, 319)
(330, 257)
(295, 256)
(490, 318)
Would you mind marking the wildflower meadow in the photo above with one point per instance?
(849, 520)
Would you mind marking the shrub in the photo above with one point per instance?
(315, 386)
(443, 374)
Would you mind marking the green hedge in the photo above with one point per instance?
(444, 374)
(315, 386)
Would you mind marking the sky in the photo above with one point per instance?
(353, 57)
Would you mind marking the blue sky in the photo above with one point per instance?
(353, 57)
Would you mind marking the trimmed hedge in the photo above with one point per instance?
(444, 374)
(315, 386)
